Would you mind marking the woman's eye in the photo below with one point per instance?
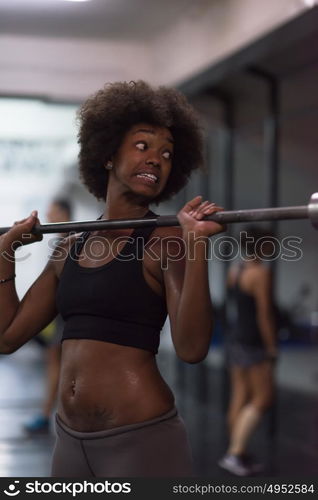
(167, 155)
(141, 146)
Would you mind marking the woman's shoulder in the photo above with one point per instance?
(167, 242)
(168, 232)
(66, 242)
(168, 237)
(62, 249)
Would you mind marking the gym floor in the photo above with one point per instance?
(287, 440)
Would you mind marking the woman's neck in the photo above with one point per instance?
(124, 208)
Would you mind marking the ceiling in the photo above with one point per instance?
(118, 19)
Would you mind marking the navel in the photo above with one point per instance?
(73, 384)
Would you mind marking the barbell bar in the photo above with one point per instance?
(309, 211)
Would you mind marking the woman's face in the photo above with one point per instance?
(143, 161)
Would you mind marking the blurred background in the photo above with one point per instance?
(250, 68)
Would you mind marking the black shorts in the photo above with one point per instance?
(238, 354)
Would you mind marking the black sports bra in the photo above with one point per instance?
(113, 302)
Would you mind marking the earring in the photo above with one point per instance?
(108, 165)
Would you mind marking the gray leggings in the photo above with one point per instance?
(155, 448)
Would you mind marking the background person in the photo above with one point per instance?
(251, 347)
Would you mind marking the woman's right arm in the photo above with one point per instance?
(265, 313)
(21, 320)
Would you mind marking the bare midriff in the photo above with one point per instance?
(105, 385)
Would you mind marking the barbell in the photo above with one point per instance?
(309, 211)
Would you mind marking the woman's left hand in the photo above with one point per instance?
(191, 215)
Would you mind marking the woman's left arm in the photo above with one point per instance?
(187, 281)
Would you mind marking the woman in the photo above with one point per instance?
(116, 415)
(251, 348)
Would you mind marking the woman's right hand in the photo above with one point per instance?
(20, 233)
